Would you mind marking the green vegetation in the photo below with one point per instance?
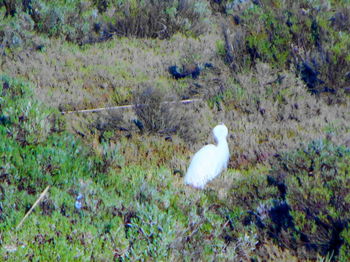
(317, 185)
(87, 22)
(279, 79)
(307, 35)
(117, 206)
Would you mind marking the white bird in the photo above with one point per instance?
(209, 161)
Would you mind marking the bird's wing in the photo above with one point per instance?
(207, 152)
(202, 167)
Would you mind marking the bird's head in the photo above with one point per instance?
(220, 132)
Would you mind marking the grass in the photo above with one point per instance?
(129, 213)
(134, 205)
(106, 73)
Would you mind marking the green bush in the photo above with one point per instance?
(287, 34)
(12, 7)
(94, 21)
(34, 152)
(158, 18)
(345, 248)
(318, 185)
(72, 20)
(15, 32)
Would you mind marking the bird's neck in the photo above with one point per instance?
(222, 142)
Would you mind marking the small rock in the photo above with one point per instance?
(347, 76)
(10, 248)
(78, 201)
(104, 86)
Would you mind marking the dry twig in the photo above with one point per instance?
(35, 204)
(187, 101)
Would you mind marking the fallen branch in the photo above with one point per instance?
(94, 110)
(35, 204)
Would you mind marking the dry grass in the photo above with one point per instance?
(267, 117)
(272, 252)
(264, 116)
(106, 73)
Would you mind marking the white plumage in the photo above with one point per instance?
(209, 161)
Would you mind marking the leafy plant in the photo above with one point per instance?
(278, 33)
(317, 182)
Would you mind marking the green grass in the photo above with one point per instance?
(133, 213)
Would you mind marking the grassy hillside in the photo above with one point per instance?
(279, 80)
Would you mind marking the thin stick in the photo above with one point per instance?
(187, 101)
(35, 204)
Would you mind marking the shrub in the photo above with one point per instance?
(13, 7)
(345, 248)
(267, 39)
(73, 20)
(158, 18)
(94, 21)
(278, 33)
(230, 6)
(302, 204)
(160, 113)
(19, 113)
(317, 182)
(31, 147)
(15, 32)
(151, 110)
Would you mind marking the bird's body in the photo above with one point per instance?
(209, 161)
